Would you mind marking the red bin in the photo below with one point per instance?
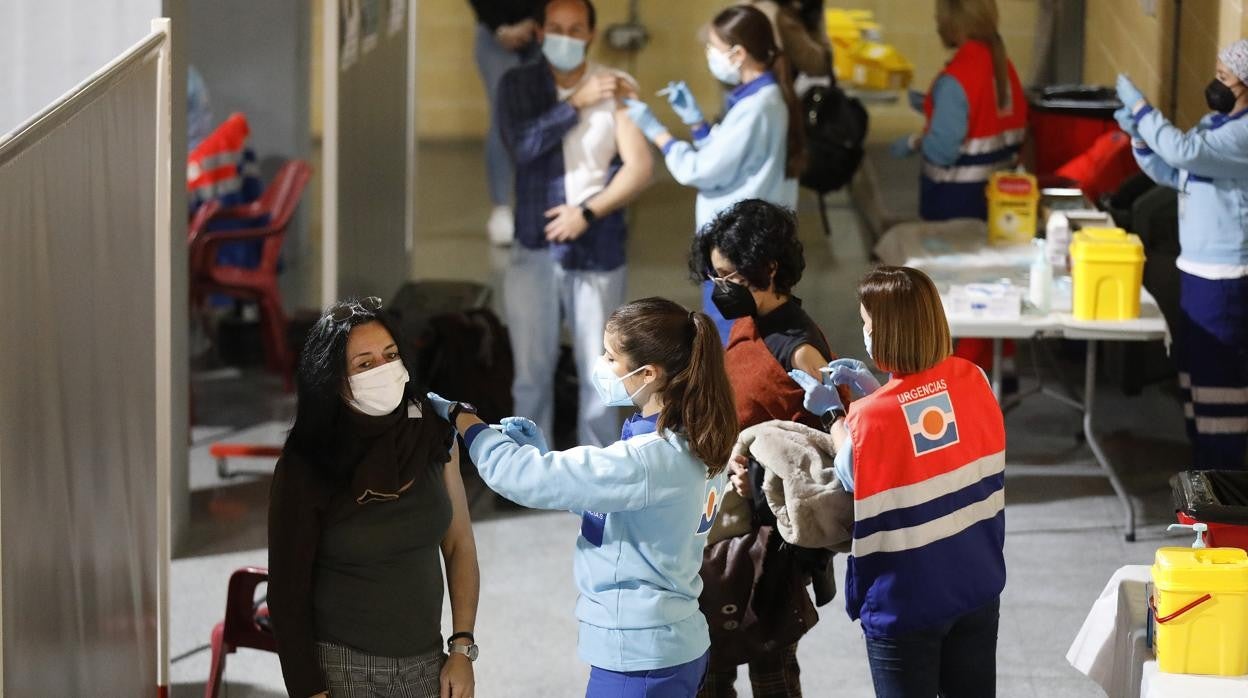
(1065, 120)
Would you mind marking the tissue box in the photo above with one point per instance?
(992, 301)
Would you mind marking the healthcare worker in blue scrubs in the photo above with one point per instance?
(1208, 165)
(646, 502)
(757, 150)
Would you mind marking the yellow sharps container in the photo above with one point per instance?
(1200, 606)
(1107, 270)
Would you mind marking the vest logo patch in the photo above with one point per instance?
(932, 423)
(710, 506)
(593, 526)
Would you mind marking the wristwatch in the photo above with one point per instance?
(588, 214)
(830, 417)
(458, 409)
(470, 650)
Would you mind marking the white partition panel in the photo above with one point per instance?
(85, 394)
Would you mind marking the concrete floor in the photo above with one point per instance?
(1063, 535)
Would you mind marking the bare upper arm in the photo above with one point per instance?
(633, 146)
(460, 530)
(807, 358)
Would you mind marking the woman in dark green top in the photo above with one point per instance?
(365, 496)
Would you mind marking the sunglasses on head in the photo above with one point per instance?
(349, 309)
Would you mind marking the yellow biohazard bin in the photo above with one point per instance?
(1200, 608)
(1107, 270)
(1012, 201)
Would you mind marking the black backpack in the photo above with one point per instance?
(836, 129)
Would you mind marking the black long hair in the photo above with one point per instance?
(321, 382)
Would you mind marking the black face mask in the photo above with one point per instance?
(733, 300)
(1219, 97)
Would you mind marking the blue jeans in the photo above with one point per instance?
(536, 290)
(956, 660)
(492, 61)
(680, 681)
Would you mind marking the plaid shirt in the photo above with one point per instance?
(533, 122)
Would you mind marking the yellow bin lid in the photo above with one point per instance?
(1202, 570)
(1106, 245)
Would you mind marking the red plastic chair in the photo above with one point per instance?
(259, 284)
(239, 629)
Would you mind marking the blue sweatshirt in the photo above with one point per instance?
(647, 508)
(1209, 167)
(743, 157)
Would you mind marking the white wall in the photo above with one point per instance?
(48, 46)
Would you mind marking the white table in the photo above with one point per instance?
(1111, 648)
(957, 252)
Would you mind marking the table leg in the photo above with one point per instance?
(998, 347)
(1089, 406)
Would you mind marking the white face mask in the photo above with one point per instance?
(721, 66)
(866, 341)
(378, 391)
(610, 387)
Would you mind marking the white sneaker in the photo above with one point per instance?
(502, 226)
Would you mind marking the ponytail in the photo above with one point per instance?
(697, 398)
(795, 144)
(1001, 71)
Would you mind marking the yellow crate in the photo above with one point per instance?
(1201, 608)
(1012, 202)
(845, 34)
(1107, 267)
(881, 67)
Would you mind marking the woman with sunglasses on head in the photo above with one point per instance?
(366, 495)
(752, 255)
(757, 150)
(646, 502)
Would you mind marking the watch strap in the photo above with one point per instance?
(588, 214)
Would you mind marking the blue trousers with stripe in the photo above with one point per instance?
(1212, 352)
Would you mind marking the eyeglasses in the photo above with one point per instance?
(348, 309)
(733, 278)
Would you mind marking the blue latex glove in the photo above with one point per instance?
(916, 100)
(645, 119)
(1126, 121)
(683, 103)
(441, 405)
(1128, 93)
(819, 397)
(853, 373)
(900, 148)
(524, 432)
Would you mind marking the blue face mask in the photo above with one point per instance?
(610, 387)
(563, 52)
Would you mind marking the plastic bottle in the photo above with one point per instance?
(1199, 529)
(1057, 239)
(1041, 277)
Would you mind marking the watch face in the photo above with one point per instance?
(473, 652)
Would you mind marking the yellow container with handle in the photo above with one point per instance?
(1013, 199)
(1107, 270)
(1200, 610)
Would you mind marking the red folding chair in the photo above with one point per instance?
(258, 284)
(242, 625)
